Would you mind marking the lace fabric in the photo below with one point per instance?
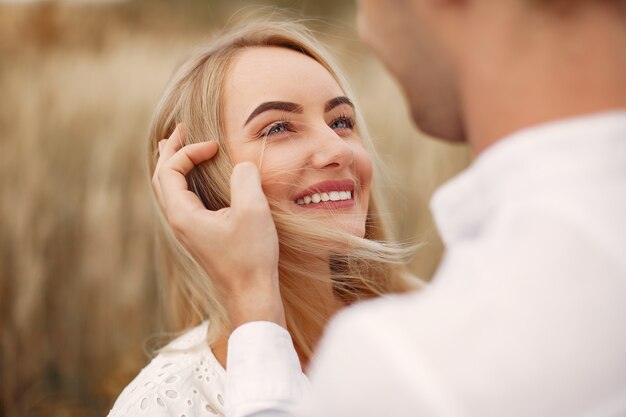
(183, 380)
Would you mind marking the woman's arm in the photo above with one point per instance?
(264, 375)
(244, 262)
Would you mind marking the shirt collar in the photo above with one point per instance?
(526, 164)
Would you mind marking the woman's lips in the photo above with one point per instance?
(346, 185)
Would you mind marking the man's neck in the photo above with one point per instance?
(549, 71)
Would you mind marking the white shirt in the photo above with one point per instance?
(526, 315)
(183, 380)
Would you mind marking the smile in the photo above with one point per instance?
(331, 196)
(328, 194)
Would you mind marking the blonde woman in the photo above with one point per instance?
(264, 93)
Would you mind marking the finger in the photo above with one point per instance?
(175, 142)
(172, 176)
(167, 148)
(191, 155)
(155, 179)
(245, 186)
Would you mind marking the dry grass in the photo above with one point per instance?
(78, 297)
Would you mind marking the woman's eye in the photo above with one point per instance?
(342, 123)
(276, 128)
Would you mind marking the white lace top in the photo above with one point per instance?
(183, 380)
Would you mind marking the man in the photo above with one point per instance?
(526, 315)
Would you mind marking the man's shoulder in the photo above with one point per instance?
(497, 329)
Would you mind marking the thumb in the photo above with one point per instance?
(245, 186)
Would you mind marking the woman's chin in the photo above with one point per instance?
(344, 222)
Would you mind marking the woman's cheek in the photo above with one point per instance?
(277, 178)
(364, 166)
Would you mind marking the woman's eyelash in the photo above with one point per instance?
(286, 126)
(270, 130)
(348, 120)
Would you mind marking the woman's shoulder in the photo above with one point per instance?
(184, 379)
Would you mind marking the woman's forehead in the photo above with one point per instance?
(261, 74)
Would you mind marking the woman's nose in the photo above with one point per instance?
(330, 150)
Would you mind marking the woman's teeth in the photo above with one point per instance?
(331, 196)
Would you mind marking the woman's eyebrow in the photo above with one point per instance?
(337, 101)
(274, 105)
(295, 108)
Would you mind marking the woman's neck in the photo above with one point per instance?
(321, 289)
(318, 289)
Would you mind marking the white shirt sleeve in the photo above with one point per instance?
(263, 377)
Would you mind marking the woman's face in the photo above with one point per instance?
(287, 114)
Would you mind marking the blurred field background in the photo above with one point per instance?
(80, 308)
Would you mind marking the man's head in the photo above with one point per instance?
(432, 46)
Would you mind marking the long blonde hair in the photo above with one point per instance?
(367, 268)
